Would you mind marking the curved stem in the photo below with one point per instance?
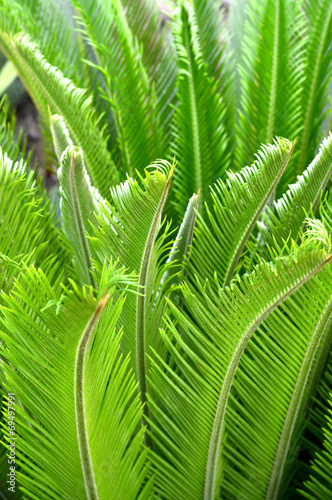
(82, 432)
(141, 310)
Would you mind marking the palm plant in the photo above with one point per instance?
(169, 336)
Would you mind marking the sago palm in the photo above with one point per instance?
(169, 334)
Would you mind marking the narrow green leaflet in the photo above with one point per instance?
(189, 405)
(238, 204)
(41, 363)
(47, 85)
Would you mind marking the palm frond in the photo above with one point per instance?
(319, 486)
(238, 203)
(292, 208)
(28, 225)
(214, 39)
(189, 404)
(272, 390)
(198, 119)
(51, 28)
(318, 67)
(127, 230)
(128, 91)
(48, 427)
(158, 57)
(271, 74)
(47, 85)
(13, 146)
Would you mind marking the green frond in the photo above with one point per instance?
(158, 57)
(189, 405)
(40, 339)
(47, 85)
(57, 40)
(291, 209)
(127, 230)
(13, 146)
(199, 118)
(237, 204)
(180, 251)
(28, 225)
(272, 390)
(128, 91)
(318, 67)
(79, 207)
(319, 485)
(271, 74)
(215, 43)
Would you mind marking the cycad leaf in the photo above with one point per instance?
(189, 404)
(181, 247)
(272, 390)
(271, 74)
(238, 203)
(128, 229)
(318, 67)
(129, 92)
(13, 146)
(198, 119)
(214, 40)
(47, 85)
(158, 56)
(290, 210)
(79, 205)
(27, 223)
(39, 340)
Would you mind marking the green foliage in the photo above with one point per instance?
(169, 336)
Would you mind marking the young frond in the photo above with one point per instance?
(237, 203)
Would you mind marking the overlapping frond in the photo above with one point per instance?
(271, 75)
(238, 203)
(43, 344)
(28, 225)
(128, 90)
(189, 403)
(127, 230)
(198, 119)
(47, 85)
(292, 208)
(318, 66)
(50, 26)
(13, 146)
(214, 39)
(158, 56)
(272, 390)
